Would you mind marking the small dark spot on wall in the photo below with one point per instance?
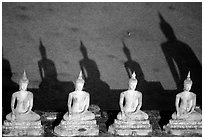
(23, 8)
(74, 29)
(112, 56)
(156, 70)
(66, 62)
(148, 4)
(190, 27)
(50, 9)
(23, 17)
(171, 8)
(121, 61)
(22, 46)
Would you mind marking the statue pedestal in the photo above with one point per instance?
(182, 127)
(77, 128)
(130, 128)
(28, 128)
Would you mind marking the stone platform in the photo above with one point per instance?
(13, 129)
(181, 127)
(77, 128)
(49, 120)
(130, 128)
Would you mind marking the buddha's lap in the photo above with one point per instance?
(138, 115)
(31, 116)
(80, 116)
(193, 116)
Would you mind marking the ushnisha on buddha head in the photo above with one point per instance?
(79, 82)
(23, 83)
(187, 83)
(133, 82)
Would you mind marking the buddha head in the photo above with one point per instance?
(133, 82)
(79, 82)
(23, 83)
(188, 83)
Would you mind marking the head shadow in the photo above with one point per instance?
(51, 90)
(48, 72)
(150, 90)
(93, 84)
(181, 59)
(131, 65)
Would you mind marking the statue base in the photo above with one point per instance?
(130, 128)
(182, 127)
(15, 129)
(77, 128)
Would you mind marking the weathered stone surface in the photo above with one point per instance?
(77, 128)
(130, 128)
(33, 128)
(116, 121)
(181, 127)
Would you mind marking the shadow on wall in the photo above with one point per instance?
(181, 59)
(151, 91)
(8, 87)
(52, 94)
(98, 89)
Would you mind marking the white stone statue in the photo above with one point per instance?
(78, 103)
(186, 103)
(133, 102)
(23, 110)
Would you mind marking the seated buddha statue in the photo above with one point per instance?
(24, 103)
(78, 103)
(133, 102)
(186, 103)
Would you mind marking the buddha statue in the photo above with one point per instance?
(187, 118)
(186, 103)
(133, 102)
(78, 121)
(24, 98)
(22, 121)
(78, 103)
(131, 121)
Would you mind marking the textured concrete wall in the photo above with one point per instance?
(101, 28)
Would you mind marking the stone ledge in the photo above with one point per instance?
(182, 131)
(23, 132)
(15, 123)
(183, 126)
(129, 131)
(182, 122)
(14, 128)
(75, 122)
(116, 121)
(80, 131)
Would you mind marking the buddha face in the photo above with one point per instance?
(187, 87)
(23, 86)
(79, 86)
(132, 85)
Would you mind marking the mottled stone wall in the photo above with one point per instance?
(102, 28)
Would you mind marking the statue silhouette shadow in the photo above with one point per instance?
(52, 94)
(154, 97)
(8, 87)
(99, 90)
(181, 59)
(150, 90)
